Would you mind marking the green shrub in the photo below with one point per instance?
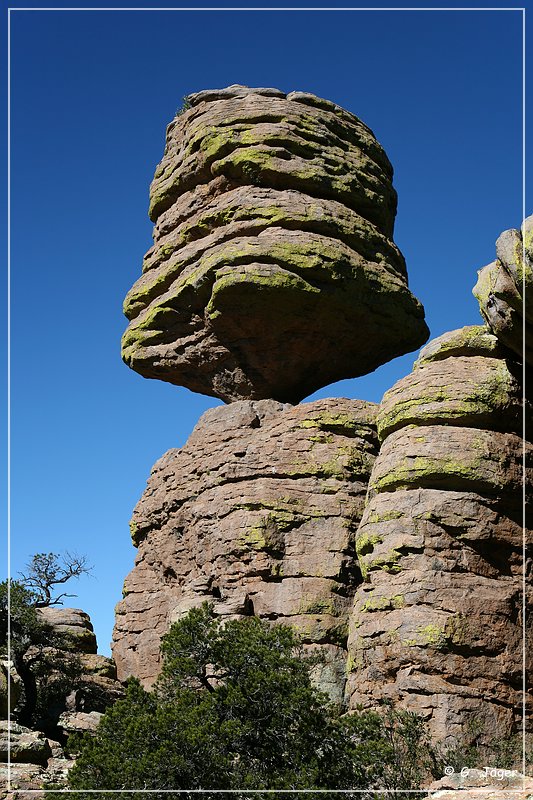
(235, 708)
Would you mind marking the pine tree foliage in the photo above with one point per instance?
(235, 708)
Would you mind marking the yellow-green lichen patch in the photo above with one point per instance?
(343, 424)
(383, 603)
(318, 605)
(365, 543)
(268, 532)
(134, 533)
(384, 516)
(471, 340)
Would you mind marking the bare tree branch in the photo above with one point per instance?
(45, 571)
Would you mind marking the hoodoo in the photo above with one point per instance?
(273, 270)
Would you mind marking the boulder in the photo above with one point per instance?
(80, 721)
(25, 746)
(73, 626)
(272, 251)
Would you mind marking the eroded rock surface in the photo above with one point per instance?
(256, 515)
(73, 626)
(504, 287)
(272, 251)
(483, 784)
(87, 684)
(437, 625)
(35, 761)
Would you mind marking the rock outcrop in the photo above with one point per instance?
(503, 288)
(437, 627)
(274, 273)
(482, 784)
(90, 679)
(255, 514)
(36, 761)
(79, 685)
(273, 251)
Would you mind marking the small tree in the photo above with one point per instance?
(235, 708)
(46, 571)
(47, 673)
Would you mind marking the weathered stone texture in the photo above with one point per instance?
(90, 685)
(272, 251)
(35, 761)
(482, 784)
(437, 625)
(503, 289)
(255, 514)
(73, 626)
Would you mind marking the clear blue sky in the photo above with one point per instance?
(92, 93)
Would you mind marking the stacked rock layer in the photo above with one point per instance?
(273, 252)
(255, 514)
(437, 625)
(274, 273)
(503, 288)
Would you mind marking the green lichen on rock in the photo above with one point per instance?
(134, 533)
(343, 424)
(272, 249)
(382, 603)
(319, 606)
(471, 340)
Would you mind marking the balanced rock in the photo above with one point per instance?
(273, 270)
(503, 287)
(255, 514)
(437, 627)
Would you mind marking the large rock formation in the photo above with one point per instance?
(256, 514)
(503, 288)
(437, 626)
(273, 271)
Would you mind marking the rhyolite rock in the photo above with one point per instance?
(9, 677)
(488, 783)
(504, 287)
(35, 762)
(72, 625)
(437, 626)
(255, 514)
(273, 270)
(91, 678)
(88, 686)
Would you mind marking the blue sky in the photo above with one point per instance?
(92, 93)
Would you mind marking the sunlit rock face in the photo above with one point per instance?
(437, 625)
(255, 514)
(504, 287)
(273, 271)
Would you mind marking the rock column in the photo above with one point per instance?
(437, 626)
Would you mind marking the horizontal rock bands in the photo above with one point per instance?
(470, 391)
(249, 210)
(318, 259)
(224, 140)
